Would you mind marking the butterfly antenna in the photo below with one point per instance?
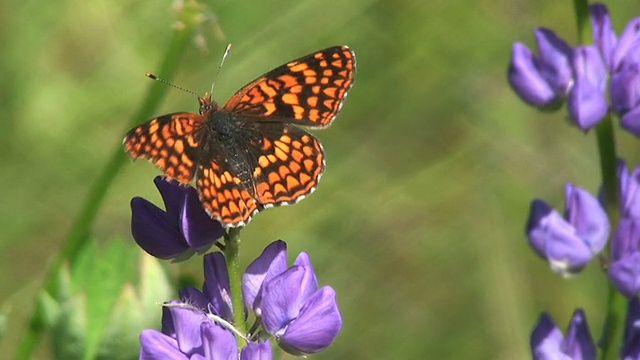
(154, 77)
(224, 56)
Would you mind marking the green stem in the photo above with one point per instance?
(613, 328)
(581, 8)
(81, 226)
(231, 251)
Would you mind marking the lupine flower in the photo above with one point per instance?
(548, 343)
(180, 231)
(188, 328)
(568, 243)
(586, 103)
(631, 342)
(624, 271)
(303, 318)
(541, 81)
(622, 57)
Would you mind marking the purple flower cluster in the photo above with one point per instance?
(287, 303)
(568, 243)
(580, 75)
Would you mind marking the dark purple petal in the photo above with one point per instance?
(216, 285)
(173, 195)
(625, 274)
(317, 325)
(626, 238)
(282, 298)
(257, 351)
(603, 34)
(153, 232)
(586, 103)
(218, 343)
(631, 343)
(546, 339)
(588, 217)
(191, 295)
(199, 229)
(578, 342)
(187, 322)
(628, 42)
(526, 80)
(555, 60)
(555, 240)
(155, 345)
(272, 262)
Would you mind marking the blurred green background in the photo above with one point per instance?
(431, 166)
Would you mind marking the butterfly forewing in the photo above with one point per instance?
(308, 91)
(170, 142)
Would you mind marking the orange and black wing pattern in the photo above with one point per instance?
(170, 142)
(308, 91)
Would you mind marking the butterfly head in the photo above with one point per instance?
(207, 104)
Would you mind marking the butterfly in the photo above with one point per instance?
(250, 154)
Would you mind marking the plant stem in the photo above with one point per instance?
(231, 251)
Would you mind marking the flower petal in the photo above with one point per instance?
(153, 231)
(257, 351)
(586, 103)
(631, 342)
(588, 217)
(555, 60)
(526, 80)
(187, 322)
(578, 342)
(218, 343)
(272, 262)
(546, 340)
(625, 274)
(629, 191)
(628, 41)
(282, 298)
(216, 285)
(199, 229)
(631, 121)
(317, 325)
(155, 345)
(555, 240)
(603, 34)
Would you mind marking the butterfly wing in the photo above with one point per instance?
(283, 165)
(170, 142)
(308, 91)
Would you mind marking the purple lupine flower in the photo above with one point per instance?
(257, 351)
(629, 191)
(548, 343)
(624, 270)
(188, 330)
(190, 335)
(303, 318)
(542, 81)
(631, 341)
(622, 57)
(180, 231)
(586, 102)
(568, 243)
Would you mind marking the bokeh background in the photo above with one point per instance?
(418, 222)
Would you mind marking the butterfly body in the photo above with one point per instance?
(249, 154)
